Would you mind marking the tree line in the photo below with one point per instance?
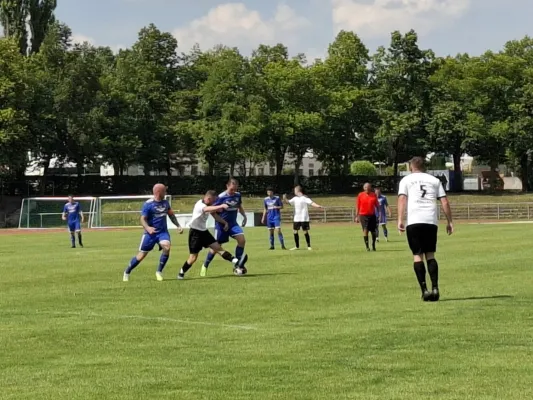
(159, 106)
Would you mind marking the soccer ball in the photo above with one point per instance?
(240, 271)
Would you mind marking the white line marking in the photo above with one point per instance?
(145, 318)
(501, 223)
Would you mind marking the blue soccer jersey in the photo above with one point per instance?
(234, 202)
(271, 203)
(73, 211)
(156, 213)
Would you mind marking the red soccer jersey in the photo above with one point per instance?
(367, 203)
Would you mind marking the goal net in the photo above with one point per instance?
(118, 211)
(45, 212)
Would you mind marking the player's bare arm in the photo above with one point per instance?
(356, 211)
(174, 220)
(149, 229)
(402, 202)
(220, 220)
(313, 204)
(64, 216)
(448, 212)
(215, 209)
(263, 218)
(82, 217)
(244, 219)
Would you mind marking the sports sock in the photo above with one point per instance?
(227, 256)
(374, 237)
(79, 239)
(297, 240)
(185, 268)
(366, 241)
(385, 231)
(281, 239)
(133, 263)
(308, 239)
(377, 233)
(162, 262)
(73, 240)
(271, 239)
(420, 271)
(433, 270)
(208, 259)
(239, 252)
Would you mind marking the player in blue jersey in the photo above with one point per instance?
(154, 221)
(73, 214)
(232, 198)
(382, 212)
(272, 217)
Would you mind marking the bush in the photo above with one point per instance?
(363, 168)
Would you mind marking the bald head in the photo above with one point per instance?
(160, 191)
(367, 187)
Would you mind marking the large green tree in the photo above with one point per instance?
(401, 93)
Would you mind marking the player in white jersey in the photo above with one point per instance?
(199, 235)
(420, 192)
(301, 204)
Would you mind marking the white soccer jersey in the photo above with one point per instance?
(422, 191)
(199, 217)
(301, 208)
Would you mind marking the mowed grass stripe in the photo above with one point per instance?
(333, 323)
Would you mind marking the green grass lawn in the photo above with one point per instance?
(334, 323)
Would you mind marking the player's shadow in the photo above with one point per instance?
(247, 275)
(391, 250)
(501, 297)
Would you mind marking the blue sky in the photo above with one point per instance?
(446, 26)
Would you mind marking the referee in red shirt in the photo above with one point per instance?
(366, 207)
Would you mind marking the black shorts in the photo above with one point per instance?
(369, 222)
(296, 226)
(199, 240)
(422, 238)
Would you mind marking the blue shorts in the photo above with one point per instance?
(272, 223)
(74, 226)
(223, 236)
(382, 219)
(148, 242)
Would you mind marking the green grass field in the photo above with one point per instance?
(334, 323)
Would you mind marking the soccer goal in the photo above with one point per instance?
(45, 212)
(118, 211)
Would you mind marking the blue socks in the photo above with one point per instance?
(239, 252)
(271, 239)
(208, 259)
(162, 262)
(281, 240)
(133, 263)
(385, 232)
(73, 240)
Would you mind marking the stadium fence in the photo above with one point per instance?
(124, 212)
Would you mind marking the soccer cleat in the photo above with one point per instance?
(181, 277)
(73, 246)
(272, 248)
(309, 248)
(435, 295)
(377, 240)
(426, 295)
(126, 277)
(368, 249)
(283, 248)
(242, 261)
(203, 271)
(295, 248)
(374, 248)
(387, 239)
(159, 276)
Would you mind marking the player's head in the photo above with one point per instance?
(270, 192)
(70, 198)
(377, 190)
(417, 164)
(232, 186)
(210, 197)
(160, 191)
(298, 190)
(367, 187)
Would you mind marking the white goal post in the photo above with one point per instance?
(45, 212)
(119, 211)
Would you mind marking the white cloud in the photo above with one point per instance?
(233, 24)
(378, 18)
(80, 39)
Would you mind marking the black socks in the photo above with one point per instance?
(420, 271)
(433, 270)
(297, 240)
(308, 239)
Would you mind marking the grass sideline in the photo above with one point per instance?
(186, 203)
(334, 323)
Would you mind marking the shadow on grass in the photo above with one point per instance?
(242, 277)
(502, 297)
